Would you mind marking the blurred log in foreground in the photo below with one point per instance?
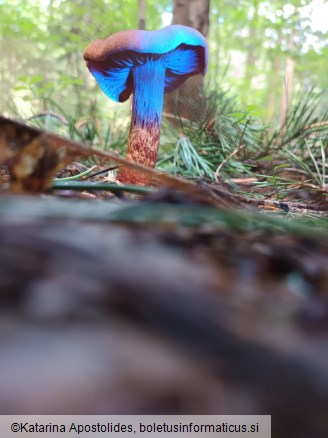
(99, 319)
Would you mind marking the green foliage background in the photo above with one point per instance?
(43, 79)
(250, 40)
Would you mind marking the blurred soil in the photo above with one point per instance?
(184, 302)
(126, 316)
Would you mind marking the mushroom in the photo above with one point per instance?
(146, 64)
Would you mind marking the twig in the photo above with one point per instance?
(114, 188)
(74, 177)
(54, 115)
(233, 153)
(108, 169)
(316, 125)
(293, 207)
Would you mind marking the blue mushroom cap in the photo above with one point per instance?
(182, 50)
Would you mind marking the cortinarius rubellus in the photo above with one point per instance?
(146, 64)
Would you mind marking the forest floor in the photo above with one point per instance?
(189, 299)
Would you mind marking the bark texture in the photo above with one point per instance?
(192, 13)
(142, 4)
(250, 67)
(289, 79)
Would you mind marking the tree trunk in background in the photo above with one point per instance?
(217, 38)
(287, 91)
(251, 55)
(142, 14)
(288, 84)
(274, 81)
(193, 13)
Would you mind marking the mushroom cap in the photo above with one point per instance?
(182, 50)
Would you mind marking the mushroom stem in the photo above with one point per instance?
(148, 80)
